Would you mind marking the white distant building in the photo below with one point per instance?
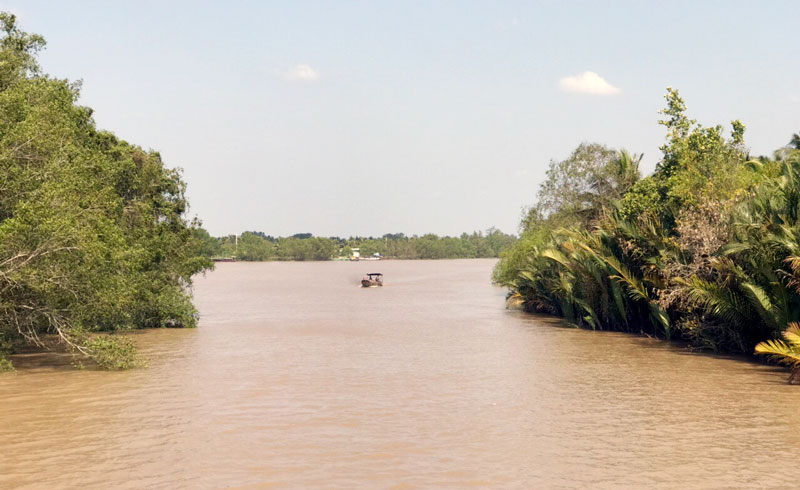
(356, 253)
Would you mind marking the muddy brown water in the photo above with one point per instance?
(298, 378)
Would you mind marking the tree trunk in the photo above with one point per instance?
(794, 378)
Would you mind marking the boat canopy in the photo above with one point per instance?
(374, 274)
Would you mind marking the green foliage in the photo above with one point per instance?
(113, 353)
(706, 249)
(312, 248)
(256, 246)
(18, 51)
(594, 278)
(93, 232)
(5, 364)
(756, 268)
(516, 258)
(579, 189)
(6, 347)
(644, 198)
(678, 126)
(787, 352)
(737, 133)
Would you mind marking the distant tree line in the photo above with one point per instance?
(257, 246)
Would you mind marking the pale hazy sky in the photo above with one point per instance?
(343, 118)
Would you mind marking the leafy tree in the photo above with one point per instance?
(254, 247)
(93, 230)
(18, 50)
(570, 191)
(585, 186)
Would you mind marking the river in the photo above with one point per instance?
(298, 378)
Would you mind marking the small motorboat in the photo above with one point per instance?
(372, 280)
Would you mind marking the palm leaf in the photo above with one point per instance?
(778, 350)
(718, 301)
(792, 335)
(619, 301)
(769, 313)
(556, 256)
(590, 317)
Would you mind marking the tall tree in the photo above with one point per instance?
(93, 230)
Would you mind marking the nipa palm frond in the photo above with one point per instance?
(792, 335)
(720, 302)
(788, 354)
(778, 350)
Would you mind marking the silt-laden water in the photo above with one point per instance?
(298, 378)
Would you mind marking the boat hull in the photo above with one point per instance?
(365, 283)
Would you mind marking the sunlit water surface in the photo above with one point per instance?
(298, 378)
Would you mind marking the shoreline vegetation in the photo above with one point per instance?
(704, 250)
(257, 246)
(94, 233)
